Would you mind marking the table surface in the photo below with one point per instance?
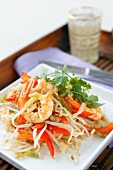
(105, 160)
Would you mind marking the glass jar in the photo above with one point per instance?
(84, 27)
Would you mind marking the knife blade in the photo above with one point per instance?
(86, 73)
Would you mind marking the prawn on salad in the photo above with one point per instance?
(43, 87)
(91, 113)
(42, 108)
(24, 97)
(96, 113)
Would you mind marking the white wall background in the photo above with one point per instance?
(25, 21)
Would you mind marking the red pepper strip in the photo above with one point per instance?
(46, 138)
(105, 130)
(35, 82)
(58, 129)
(63, 119)
(85, 114)
(10, 99)
(75, 106)
(88, 128)
(38, 125)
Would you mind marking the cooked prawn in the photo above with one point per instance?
(43, 87)
(24, 97)
(97, 113)
(24, 93)
(44, 109)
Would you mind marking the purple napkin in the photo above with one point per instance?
(28, 61)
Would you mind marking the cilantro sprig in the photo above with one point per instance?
(69, 84)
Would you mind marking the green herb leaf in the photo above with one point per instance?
(92, 101)
(64, 80)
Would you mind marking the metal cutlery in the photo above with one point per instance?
(100, 76)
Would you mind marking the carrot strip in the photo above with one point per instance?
(25, 135)
(105, 130)
(21, 120)
(75, 106)
(25, 77)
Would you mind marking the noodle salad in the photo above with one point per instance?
(54, 110)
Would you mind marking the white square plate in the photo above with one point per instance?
(90, 148)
